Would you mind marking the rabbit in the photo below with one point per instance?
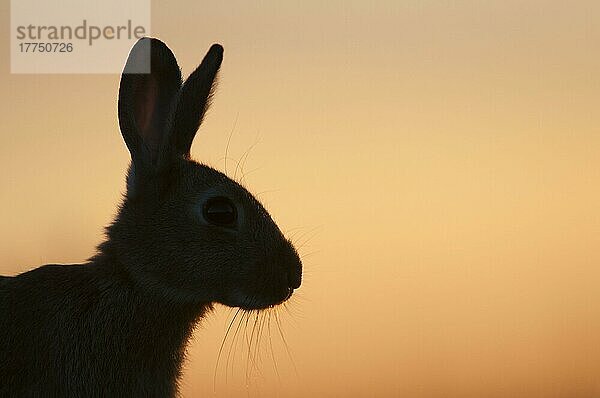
(185, 237)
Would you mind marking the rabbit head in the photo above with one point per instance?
(186, 230)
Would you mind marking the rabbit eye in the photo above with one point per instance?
(220, 211)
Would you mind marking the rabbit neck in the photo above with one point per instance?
(109, 335)
(155, 331)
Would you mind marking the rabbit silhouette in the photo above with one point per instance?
(185, 236)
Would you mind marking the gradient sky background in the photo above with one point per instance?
(440, 157)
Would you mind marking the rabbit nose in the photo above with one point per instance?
(294, 270)
(292, 264)
(295, 276)
(294, 279)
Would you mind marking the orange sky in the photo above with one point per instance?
(441, 159)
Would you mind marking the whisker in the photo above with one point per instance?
(311, 232)
(223, 158)
(286, 231)
(221, 349)
(229, 139)
(305, 255)
(245, 173)
(267, 191)
(271, 346)
(233, 345)
(293, 232)
(239, 162)
(245, 158)
(257, 357)
(249, 359)
(307, 239)
(285, 344)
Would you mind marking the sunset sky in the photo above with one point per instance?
(437, 163)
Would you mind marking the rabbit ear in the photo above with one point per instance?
(194, 100)
(146, 100)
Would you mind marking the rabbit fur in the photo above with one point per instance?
(185, 236)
